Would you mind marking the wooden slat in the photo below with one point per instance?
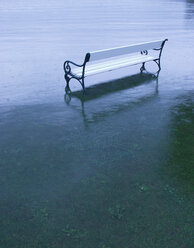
(118, 51)
(112, 65)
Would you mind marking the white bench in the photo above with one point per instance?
(112, 59)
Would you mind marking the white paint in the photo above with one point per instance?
(118, 51)
(96, 68)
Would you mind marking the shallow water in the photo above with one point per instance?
(111, 169)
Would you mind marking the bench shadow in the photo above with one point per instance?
(109, 90)
(109, 87)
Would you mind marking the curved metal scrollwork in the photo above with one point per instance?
(145, 52)
(67, 67)
(70, 75)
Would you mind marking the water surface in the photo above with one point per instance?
(111, 169)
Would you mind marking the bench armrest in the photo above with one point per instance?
(67, 67)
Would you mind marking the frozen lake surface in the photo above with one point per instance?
(112, 169)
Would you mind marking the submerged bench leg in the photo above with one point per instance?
(67, 78)
(157, 61)
(143, 67)
(83, 86)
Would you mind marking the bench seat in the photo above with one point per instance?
(113, 64)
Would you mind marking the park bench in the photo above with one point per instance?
(112, 59)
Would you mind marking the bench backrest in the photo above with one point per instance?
(118, 51)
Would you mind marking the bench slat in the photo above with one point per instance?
(121, 60)
(114, 64)
(118, 51)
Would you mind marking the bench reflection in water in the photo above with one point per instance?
(114, 96)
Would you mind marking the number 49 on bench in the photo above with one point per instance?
(112, 59)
